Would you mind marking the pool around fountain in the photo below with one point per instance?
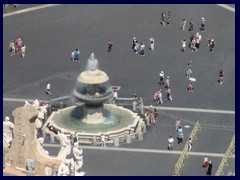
(114, 118)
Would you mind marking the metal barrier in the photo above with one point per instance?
(59, 103)
(184, 155)
(229, 153)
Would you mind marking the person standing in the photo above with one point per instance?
(110, 44)
(211, 44)
(205, 162)
(190, 87)
(142, 47)
(167, 83)
(115, 96)
(170, 143)
(190, 25)
(161, 75)
(103, 141)
(12, 48)
(183, 45)
(189, 70)
(151, 44)
(209, 171)
(183, 23)
(8, 132)
(134, 42)
(221, 74)
(163, 19)
(23, 50)
(155, 116)
(202, 24)
(48, 89)
(169, 18)
(180, 135)
(76, 54)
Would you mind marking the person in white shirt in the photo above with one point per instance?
(23, 50)
(48, 89)
(103, 140)
(161, 82)
(170, 143)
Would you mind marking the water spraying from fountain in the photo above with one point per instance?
(92, 64)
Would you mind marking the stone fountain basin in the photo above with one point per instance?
(97, 98)
(118, 122)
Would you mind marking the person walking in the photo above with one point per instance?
(110, 44)
(170, 143)
(169, 95)
(190, 25)
(12, 48)
(190, 144)
(115, 96)
(23, 50)
(209, 171)
(177, 125)
(151, 43)
(211, 44)
(221, 74)
(159, 98)
(136, 47)
(48, 89)
(134, 42)
(203, 20)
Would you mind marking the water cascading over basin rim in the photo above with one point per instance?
(93, 77)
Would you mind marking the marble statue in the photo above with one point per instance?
(40, 149)
(65, 146)
(8, 130)
(63, 169)
(78, 160)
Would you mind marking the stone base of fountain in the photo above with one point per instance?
(89, 133)
(93, 115)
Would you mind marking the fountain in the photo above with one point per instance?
(94, 117)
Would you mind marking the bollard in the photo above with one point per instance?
(116, 141)
(44, 134)
(94, 140)
(134, 106)
(141, 108)
(144, 128)
(140, 136)
(52, 138)
(128, 139)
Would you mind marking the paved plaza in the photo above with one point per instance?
(53, 32)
